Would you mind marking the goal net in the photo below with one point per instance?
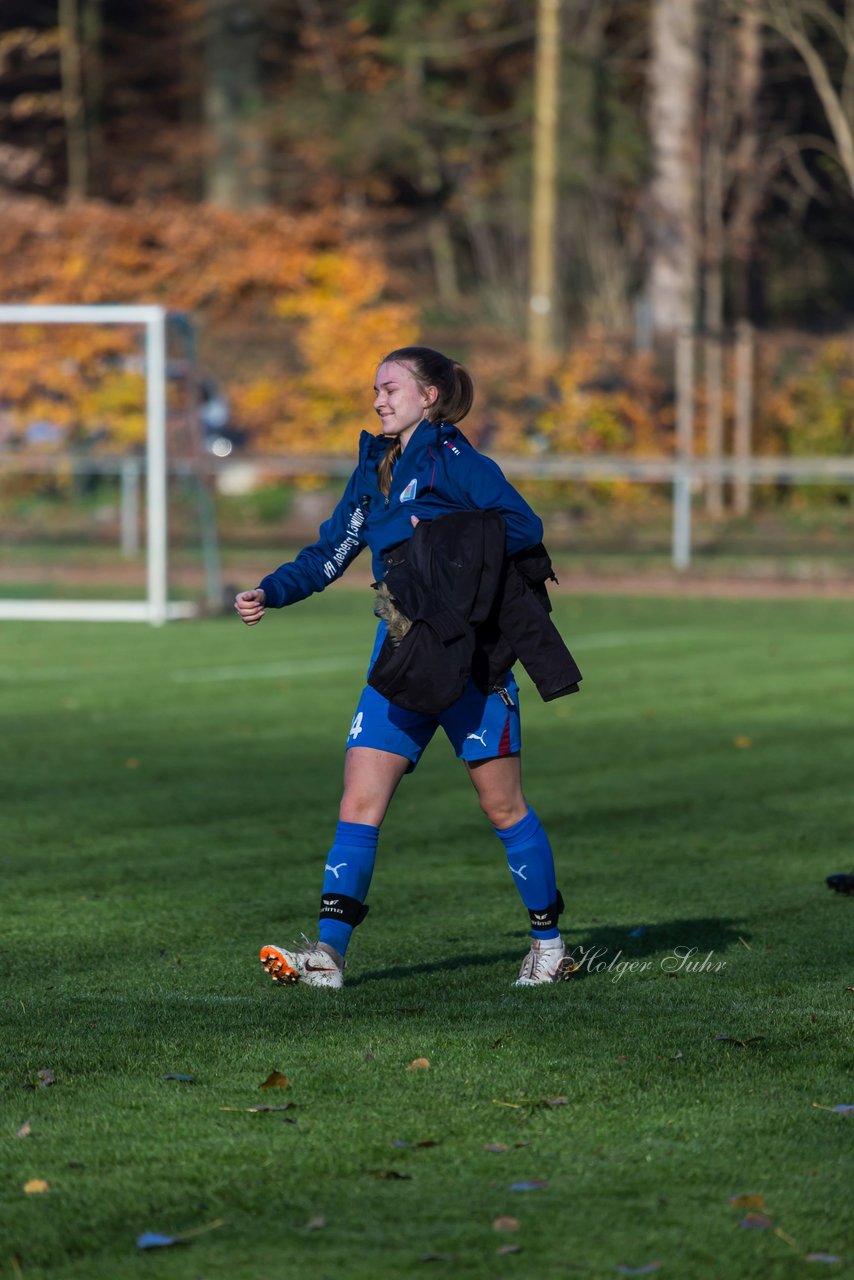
(49, 399)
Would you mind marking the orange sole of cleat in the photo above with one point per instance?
(277, 966)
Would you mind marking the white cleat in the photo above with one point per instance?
(315, 965)
(545, 962)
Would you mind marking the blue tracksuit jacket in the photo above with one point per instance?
(438, 472)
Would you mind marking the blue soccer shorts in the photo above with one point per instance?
(479, 726)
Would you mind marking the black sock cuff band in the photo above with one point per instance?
(337, 906)
(548, 917)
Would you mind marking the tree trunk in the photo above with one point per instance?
(77, 181)
(747, 185)
(714, 151)
(444, 260)
(91, 19)
(541, 302)
(237, 175)
(674, 80)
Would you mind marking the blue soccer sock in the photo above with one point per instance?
(346, 880)
(529, 857)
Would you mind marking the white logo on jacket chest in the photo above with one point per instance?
(409, 492)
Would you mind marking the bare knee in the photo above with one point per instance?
(359, 807)
(504, 811)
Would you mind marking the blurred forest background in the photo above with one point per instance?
(317, 181)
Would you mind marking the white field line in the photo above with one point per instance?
(326, 666)
(617, 639)
(270, 670)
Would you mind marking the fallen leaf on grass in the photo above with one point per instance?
(742, 742)
(36, 1187)
(822, 1257)
(504, 1223)
(180, 1077)
(315, 1224)
(25, 1130)
(747, 1202)
(275, 1080)
(419, 1064)
(645, 1270)
(425, 1142)
(131, 763)
(530, 1184)
(509, 1248)
(391, 1175)
(756, 1222)
(742, 1044)
(497, 1148)
(784, 1235)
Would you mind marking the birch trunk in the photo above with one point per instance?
(674, 80)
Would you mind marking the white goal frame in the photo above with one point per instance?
(156, 608)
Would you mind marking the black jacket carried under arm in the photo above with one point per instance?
(473, 611)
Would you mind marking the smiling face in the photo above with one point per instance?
(399, 400)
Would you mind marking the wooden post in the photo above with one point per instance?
(743, 441)
(713, 369)
(684, 449)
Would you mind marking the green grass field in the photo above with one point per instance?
(168, 797)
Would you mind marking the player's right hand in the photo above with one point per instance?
(250, 605)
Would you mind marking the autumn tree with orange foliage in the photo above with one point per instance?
(317, 301)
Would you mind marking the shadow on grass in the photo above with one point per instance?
(448, 963)
(692, 939)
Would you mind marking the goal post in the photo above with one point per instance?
(156, 608)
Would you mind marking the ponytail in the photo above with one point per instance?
(386, 465)
(454, 396)
(453, 383)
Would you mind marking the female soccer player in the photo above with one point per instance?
(420, 467)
